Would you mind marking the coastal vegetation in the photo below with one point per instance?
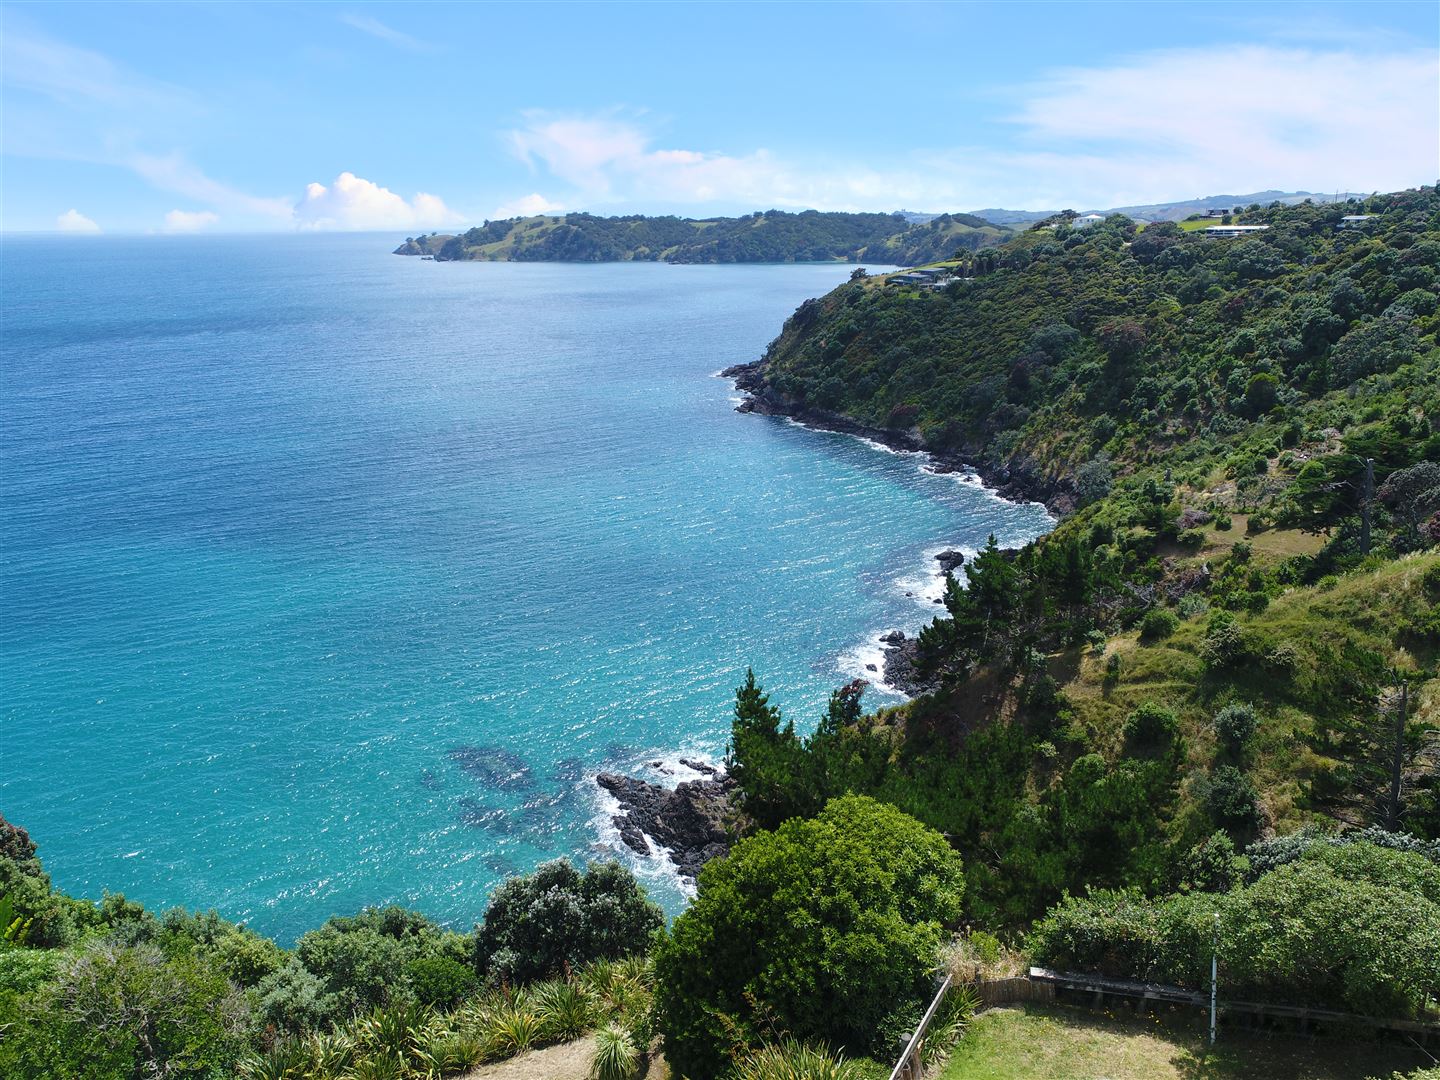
(772, 236)
(1198, 717)
(112, 991)
(1211, 690)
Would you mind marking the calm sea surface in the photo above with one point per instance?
(329, 578)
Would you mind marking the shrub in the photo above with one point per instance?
(616, 1055)
(1158, 624)
(793, 1060)
(537, 925)
(1150, 730)
(1232, 801)
(1112, 669)
(1234, 728)
(565, 1010)
(827, 927)
(1358, 933)
(1210, 866)
(115, 1010)
(440, 981)
(1191, 540)
(1225, 644)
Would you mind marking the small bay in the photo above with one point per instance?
(330, 578)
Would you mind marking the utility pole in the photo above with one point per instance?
(1214, 976)
(1397, 761)
(1367, 495)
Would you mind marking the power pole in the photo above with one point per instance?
(1397, 761)
(1214, 976)
(1367, 495)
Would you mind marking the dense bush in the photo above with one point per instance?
(114, 992)
(827, 927)
(1232, 802)
(1158, 624)
(119, 1011)
(1354, 927)
(1234, 728)
(538, 925)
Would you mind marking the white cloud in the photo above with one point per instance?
(172, 173)
(189, 221)
(1160, 125)
(72, 221)
(375, 28)
(1218, 120)
(527, 206)
(352, 202)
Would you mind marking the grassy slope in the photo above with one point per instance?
(1363, 607)
(1054, 1043)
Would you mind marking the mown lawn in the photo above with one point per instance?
(1047, 1042)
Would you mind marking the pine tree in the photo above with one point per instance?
(763, 757)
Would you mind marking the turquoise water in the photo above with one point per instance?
(331, 577)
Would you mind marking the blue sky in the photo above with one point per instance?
(412, 117)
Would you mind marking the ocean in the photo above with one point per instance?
(330, 578)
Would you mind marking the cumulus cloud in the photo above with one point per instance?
(72, 221)
(189, 221)
(1159, 125)
(353, 202)
(527, 206)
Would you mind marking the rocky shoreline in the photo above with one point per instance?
(687, 823)
(1020, 485)
(1012, 481)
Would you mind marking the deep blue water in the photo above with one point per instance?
(330, 577)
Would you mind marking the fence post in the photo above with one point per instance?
(907, 1068)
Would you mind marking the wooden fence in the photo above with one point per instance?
(909, 1067)
(1095, 991)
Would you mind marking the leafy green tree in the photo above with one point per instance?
(538, 925)
(119, 1011)
(827, 928)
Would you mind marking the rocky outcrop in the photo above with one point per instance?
(902, 672)
(950, 561)
(688, 822)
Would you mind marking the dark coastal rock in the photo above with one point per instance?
(699, 766)
(901, 669)
(950, 561)
(894, 637)
(688, 822)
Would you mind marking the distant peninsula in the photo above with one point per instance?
(772, 236)
(902, 238)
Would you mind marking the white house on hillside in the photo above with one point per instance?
(1233, 230)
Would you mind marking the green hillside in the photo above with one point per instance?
(772, 236)
(1242, 435)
